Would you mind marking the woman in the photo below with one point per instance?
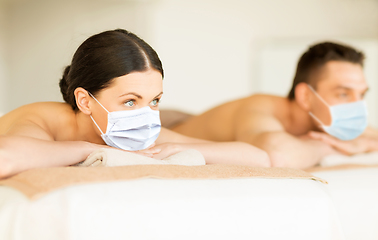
(112, 91)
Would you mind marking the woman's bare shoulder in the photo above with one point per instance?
(42, 114)
(38, 109)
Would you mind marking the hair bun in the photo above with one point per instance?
(64, 85)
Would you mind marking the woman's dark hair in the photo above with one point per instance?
(317, 56)
(103, 57)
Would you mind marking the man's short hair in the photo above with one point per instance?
(317, 56)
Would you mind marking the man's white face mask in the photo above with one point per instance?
(349, 120)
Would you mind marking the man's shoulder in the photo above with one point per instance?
(265, 102)
(261, 113)
(266, 97)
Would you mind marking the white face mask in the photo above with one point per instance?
(131, 130)
(349, 120)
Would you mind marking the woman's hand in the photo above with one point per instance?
(148, 152)
(163, 150)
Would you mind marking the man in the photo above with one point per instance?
(323, 114)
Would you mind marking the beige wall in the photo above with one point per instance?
(43, 35)
(3, 54)
(208, 47)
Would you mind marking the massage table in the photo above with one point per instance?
(355, 195)
(235, 208)
(246, 208)
(106, 197)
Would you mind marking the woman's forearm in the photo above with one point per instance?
(18, 154)
(237, 153)
(240, 153)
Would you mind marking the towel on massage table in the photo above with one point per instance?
(37, 182)
(369, 159)
(110, 157)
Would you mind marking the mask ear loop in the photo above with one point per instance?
(96, 124)
(321, 99)
(317, 119)
(313, 90)
(90, 94)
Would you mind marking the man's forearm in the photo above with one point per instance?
(372, 144)
(371, 139)
(286, 150)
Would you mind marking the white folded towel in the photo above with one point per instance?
(360, 159)
(113, 157)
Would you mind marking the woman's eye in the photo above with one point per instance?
(155, 102)
(130, 103)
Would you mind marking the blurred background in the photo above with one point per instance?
(212, 51)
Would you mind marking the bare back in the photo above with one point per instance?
(221, 123)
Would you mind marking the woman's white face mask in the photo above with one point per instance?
(131, 130)
(348, 120)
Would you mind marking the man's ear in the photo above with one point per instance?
(303, 96)
(82, 100)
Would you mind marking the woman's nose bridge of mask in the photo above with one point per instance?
(320, 108)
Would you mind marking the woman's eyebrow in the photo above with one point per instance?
(366, 90)
(132, 93)
(139, 96)
(158, 95)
